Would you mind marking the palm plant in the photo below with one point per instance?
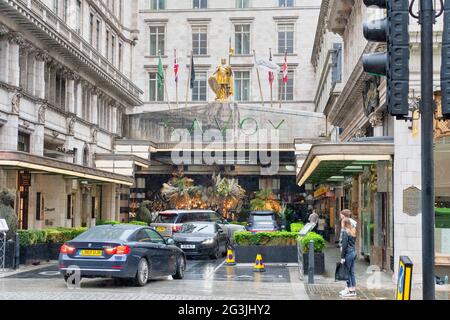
(265, 200)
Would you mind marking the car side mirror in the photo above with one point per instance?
(170, 241)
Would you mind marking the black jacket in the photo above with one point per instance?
(348, 244)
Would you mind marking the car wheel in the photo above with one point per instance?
(142, 274)
(215, 255)
(181, 267)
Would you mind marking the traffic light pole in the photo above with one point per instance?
(427, 19)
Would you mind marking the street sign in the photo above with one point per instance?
(3, 226)
(404, 278)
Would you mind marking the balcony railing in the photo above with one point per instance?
(76, 40)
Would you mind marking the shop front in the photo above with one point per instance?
(358, 177)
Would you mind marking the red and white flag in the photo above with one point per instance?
(176, 66)
(285, 70)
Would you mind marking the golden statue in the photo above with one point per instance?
(221, 82)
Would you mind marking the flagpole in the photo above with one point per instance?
(177, 78)
(271, 82)
(167, 91)
(259, 79)
(189, 79)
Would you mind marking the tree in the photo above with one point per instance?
(7, 211)
(265, 200)
(143, 213)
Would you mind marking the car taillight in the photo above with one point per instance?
(176, 228)
(65, 249)
(118, 250)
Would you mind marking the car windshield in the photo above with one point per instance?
(197, 228)
(166, 218)
(105, 234)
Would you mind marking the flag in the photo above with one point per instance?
(160, 78)
(285, 70)
(192, 72)
(271, 75)
(176, 66)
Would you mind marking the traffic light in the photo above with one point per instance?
(394, 64)
(445, 69)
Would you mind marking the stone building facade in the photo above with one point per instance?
(65, 86)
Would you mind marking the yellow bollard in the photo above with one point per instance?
(259, 264)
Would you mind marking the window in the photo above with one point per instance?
(200, 4)
(242, 86)
(242, 4)
(242, 38)
(157, 40)
(23, 142)
(120, 56)
(156, 92)
(86, 157)
(97, 35)
(286, 38)
(154, 236)
(39, 206)
(285, 3)
(91, 29)
(65, 9)
(69, 209)
(200, 87)
(107, 44)
(113, 49)
(157, 4)
(200, 40)
(56, 6)
(93, 208)
(287, 91)
(78, 16)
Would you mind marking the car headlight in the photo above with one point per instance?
(208, 241)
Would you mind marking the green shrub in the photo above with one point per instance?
(52, 235)
(143, 213)
(138, 223)
(280, 238)
(105, 222)
(31, 237)
(296, 227)
(7, 212)
(319, 242)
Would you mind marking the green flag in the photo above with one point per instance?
(160, 73)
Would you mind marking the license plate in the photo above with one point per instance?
(187, 246)
(160, 229)
(91, 253)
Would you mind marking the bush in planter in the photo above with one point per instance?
(296, 227)
(112, 222)
(31, 237)
(7, 211)
(319, 242)
(281, 238)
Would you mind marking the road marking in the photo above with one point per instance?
(49, 273)
(209, 275)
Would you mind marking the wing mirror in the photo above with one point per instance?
(170, 241)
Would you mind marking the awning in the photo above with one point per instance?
(37, 164)
(333, 162)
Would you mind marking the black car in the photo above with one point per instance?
(202, 239)
(262, 221)
(122, 251)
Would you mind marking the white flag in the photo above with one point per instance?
(267, 65)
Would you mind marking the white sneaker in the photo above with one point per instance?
(349, 294)
(345, 291)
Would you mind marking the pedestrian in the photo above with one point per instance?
(345, 214)
(348, 256)
(321, 225)
(314, 218)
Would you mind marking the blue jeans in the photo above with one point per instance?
(350, 258)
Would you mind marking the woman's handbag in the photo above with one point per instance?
(342, 273)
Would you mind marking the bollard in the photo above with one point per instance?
(16, 252)
(311, 263)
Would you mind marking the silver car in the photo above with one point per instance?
(169, 222)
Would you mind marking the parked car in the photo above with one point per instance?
(167, 223)
(262, 221)
(202, 239)
(122, 251)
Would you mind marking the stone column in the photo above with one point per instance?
(4, 54)
(70, 92)
(79, 100)
(15, 41)
(376, 121)
(114, 119)
(94, 109)
(41, 57)
(108, 201)
(31, 71)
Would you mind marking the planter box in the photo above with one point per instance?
(9, 254)
(270, 254)
(39, 252)
(319, 263)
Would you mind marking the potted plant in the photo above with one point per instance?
(319, 256)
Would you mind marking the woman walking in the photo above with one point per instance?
(348, 256)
